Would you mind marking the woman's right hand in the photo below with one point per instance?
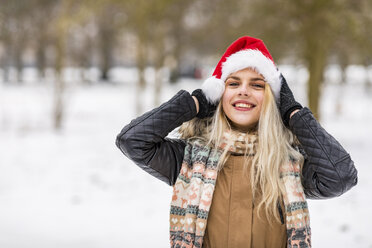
(204, 108)
(196, 103)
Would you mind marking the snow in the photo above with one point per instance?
(74, 188)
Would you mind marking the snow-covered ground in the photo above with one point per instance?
(74, 189)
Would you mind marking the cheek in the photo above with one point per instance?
(260, 99)
(226, 98)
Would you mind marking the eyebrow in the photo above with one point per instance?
(252, 79)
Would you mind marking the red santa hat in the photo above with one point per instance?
(243, 53)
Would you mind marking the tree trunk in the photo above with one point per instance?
(177, 33)
(158, 86)
(316, 60)
(175, 71)
(6, 63)
(340, 91)
(106, 56)
(58, 101)
(59, 85)
(19, 43)
(19, 63)
(9, 62)
(41, 58)
(107, 41)
(159, 62)
(367, 79)
(141, 64)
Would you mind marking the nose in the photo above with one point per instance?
(244, 90)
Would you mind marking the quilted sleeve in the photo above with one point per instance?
(328, 170)
(144, 140)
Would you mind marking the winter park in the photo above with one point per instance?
(74, 73)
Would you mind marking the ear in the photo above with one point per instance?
(213, 89)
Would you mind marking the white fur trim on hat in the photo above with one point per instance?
(254, 59)
(213, 89)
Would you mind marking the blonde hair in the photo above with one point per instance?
(273, 149)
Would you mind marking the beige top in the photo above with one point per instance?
(233, 220)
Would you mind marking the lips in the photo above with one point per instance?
(243, 105)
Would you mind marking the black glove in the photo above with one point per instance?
(287, 102)
(206, 109)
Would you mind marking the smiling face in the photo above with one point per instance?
(243, 97)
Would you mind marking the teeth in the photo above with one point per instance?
(243, 105)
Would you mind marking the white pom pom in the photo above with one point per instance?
(213, 89)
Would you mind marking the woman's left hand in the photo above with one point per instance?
(288, 104)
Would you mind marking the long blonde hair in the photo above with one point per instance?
(273, 149)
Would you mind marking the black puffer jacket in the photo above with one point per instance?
(328, 170)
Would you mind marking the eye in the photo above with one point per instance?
(233, 83)
(261, 86)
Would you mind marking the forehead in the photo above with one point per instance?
(247, 72)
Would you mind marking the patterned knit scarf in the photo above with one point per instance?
(194, 187)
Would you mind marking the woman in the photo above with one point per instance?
(248, 156)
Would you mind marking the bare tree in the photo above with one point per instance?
(306, 30)
(40, 15)
(108, 21)
(68, 13)
(14, 33)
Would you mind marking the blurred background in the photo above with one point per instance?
(73, 73)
